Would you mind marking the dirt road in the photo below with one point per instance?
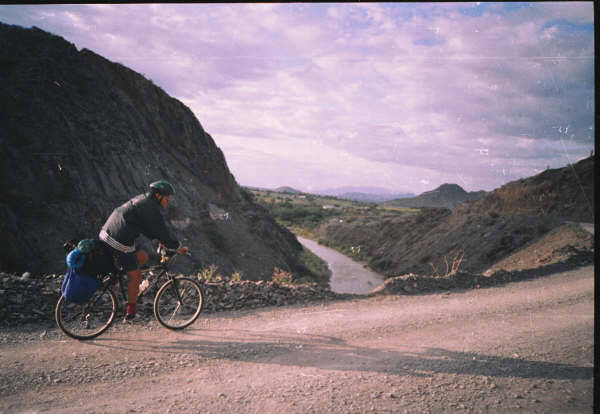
(524, 347)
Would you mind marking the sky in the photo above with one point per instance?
(403, 97)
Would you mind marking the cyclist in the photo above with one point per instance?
(139, 215)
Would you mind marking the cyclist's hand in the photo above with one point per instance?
(183, 250)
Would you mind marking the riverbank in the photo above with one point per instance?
(347, 276)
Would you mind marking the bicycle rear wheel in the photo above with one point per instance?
(178, 303)
(88, 320)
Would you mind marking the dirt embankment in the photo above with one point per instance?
(559, 245)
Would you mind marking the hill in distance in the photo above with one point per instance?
(445, 196)
(288, 190)
(364, 194)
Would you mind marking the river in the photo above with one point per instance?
(347, 276)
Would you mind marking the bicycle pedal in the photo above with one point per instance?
(129, 318)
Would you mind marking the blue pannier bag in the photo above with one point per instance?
(79, 287)
(76, 259)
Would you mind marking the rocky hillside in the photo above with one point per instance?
(80, 135)
(445, 196)
(566, 192)
(476, 235)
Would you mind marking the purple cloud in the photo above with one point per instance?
(395, 95)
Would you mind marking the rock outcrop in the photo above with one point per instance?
(80, 135)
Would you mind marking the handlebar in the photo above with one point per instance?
(165, 255)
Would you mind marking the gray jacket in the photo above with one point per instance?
(140, 215)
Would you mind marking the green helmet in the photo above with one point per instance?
(86, 245)
(163, 188)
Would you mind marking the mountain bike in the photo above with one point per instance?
(177, 303)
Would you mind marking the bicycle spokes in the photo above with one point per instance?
(84, 321)
(178, 303)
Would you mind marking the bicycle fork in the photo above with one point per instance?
(178, 295)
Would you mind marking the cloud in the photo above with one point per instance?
(413, 91)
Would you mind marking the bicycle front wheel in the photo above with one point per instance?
(88, 320)
(178, 303)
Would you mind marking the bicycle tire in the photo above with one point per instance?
(89, 320)
(167, 308)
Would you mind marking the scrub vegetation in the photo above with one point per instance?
(475, 236)
(303, 213)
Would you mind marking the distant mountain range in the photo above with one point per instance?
(365, 194)
(445, 196)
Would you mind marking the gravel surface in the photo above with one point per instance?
(522, 347)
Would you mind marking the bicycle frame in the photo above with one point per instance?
(156, 273)
(162, 269)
